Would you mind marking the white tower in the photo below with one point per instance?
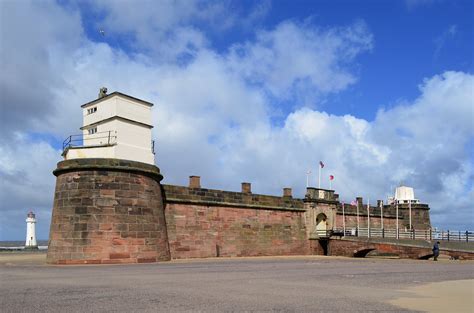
(31, 231)
(115, 126)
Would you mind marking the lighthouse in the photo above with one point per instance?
(30, 242)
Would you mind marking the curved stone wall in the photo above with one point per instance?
(107, 211)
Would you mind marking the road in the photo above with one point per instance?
(286, 284)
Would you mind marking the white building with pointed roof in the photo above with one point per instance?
(114, 126)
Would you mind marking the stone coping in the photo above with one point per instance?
(230, 204)
(108, 164)
(212, 197)
(317, 200)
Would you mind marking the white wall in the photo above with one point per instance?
(135, 111)
(96, 152)
(117, 106)
(105, 109)
(102, 135)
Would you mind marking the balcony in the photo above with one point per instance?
(96, 140)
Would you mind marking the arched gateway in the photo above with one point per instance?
(321, 225)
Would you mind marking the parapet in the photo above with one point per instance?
(245, 198)
(321, 195)
(100, 164)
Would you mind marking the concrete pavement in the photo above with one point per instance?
(281, 284)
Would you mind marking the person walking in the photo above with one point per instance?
(436, 251)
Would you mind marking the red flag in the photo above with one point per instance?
(353, 202)
(321, 164)
(331, 177)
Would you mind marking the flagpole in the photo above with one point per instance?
(397, 217)
(368, 218)
(381, 214)
(409, 211)
(319, 180)
(343, 219)
(357, 218)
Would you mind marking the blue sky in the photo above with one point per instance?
(381, 91)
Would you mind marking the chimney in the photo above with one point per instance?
(194, 181)
(246, 188)
(379, 203)
(359, 200)
(287, 192)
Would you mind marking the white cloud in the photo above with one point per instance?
(414, 4)
(29, 39)
(301, 60)
(166, 29)
(443, 39)
(26, 183)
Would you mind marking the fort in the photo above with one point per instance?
(110, 205)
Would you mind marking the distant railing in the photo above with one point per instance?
(109, 138)
(421, 234)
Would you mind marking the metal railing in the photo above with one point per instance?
(108, 137)
(420, 234)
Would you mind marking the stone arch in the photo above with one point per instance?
(321, 224)
(363, 252)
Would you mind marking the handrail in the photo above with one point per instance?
(81, 139)
(421, 234)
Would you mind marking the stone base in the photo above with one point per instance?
(107, 211)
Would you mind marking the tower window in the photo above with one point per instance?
(91, 110)
(92, 130)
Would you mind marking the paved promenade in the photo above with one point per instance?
(280, 284)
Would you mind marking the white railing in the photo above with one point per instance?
(421, 234)
(83, 140)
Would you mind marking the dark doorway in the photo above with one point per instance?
(324, 244)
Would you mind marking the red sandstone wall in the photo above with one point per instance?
(199, 231)
(351, 222)
(106, 216)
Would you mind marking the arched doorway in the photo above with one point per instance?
(321, 225)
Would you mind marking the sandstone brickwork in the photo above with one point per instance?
(215, 231)
(107, 211)
(212, 223)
